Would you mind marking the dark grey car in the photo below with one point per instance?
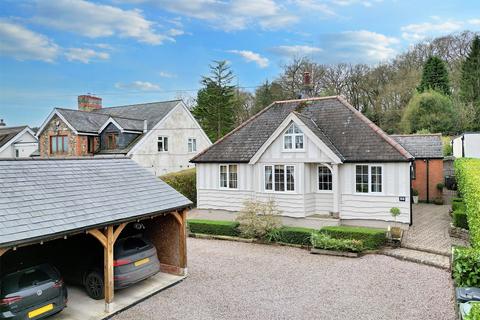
(32, 293)
(135, 259)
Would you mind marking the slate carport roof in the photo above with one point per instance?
(345, 130)
(422, 146)
(41, 199)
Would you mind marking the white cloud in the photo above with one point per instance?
(85, 55)
(314, 5)
(165, 74)
(420, 31)
(251, 56)
(230, 15)
(363, 46)
(23, 44)
(475, 22)
(97, 20)
(138, 85)
(365, 3)
(297, 50)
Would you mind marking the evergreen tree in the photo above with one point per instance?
(470, 80)
(435, 76)
(216, 101)
(267, 93)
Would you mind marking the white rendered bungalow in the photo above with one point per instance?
(316, 157)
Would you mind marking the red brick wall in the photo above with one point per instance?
(435, 177)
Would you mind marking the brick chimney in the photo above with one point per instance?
(89, 103)
(307, 85)
(2, 124)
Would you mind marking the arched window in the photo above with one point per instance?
(293, 138)
(324, 178)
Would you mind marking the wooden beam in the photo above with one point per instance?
(183, 239)
(118, 231)
(3, 251)
(99, 235)
(108, 268)
(178, 217)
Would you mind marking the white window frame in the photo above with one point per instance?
(318, 177)
(285, 165)
(370, 192)
(227, 165)
(293, 137)
(191, 143)
(162, 139)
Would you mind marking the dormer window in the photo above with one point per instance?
(293, 138)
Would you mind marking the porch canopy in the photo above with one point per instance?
(47, 199)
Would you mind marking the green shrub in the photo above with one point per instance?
(460, 219)
(295, 235)
(459, 206)
(415, 192)
(371, 238)
(474, 312)
(259, 220)
(466, 267)
(467, 172)
(457, 199)
(184, 182)
(215, 227)
(440, 186)
(324, 241)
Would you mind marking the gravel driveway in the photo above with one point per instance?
(232, 280)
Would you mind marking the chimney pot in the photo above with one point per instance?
(2, 124)
(307, 85)
(306, 78)
(88, 102)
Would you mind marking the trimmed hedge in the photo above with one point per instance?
(466, 267)
(184, 182)
(326, 242)
(216, 227)
(295, 235)
(371, 238)
(458, 206)
(460, 219)
(467, 172)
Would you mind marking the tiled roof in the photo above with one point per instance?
(335, 122)
(8, 133)
(130, 117)
(45, 198)
(422, 146)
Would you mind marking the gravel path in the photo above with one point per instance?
(232, 280)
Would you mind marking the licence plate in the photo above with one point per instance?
(140, 262)
(40, 311)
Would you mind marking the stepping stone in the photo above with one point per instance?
(430, 259)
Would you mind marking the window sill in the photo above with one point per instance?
(293, 150)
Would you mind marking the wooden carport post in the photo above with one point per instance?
(3, 251)
(182, 225)
(107, 239)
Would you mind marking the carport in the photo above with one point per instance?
(45, 200)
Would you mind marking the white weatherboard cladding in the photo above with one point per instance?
(396, 183)
(26, 144)
(471, 146)
(457, 147)
(178, 127)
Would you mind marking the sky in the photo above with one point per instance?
(136, 51)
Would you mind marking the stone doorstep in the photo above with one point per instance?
(335, 253)
(427, 250)
(421, 257)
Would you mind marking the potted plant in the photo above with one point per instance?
(395, 232)
(415, 196)
(440, 186)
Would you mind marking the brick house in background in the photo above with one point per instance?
(427, 169)
(160, 136)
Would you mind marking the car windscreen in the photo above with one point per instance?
(133, 243)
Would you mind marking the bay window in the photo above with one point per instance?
(279, 178)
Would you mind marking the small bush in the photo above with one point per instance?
(372, 238)
(295, 235)
(440, 186)
(474, 312)
(458, 206)
(415, 192)
(259, 219)
(457, 199)
(466, 267)
(215, 227)
(324, 241)
(184, 182)
(460, 219)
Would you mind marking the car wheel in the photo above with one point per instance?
(94, 285)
